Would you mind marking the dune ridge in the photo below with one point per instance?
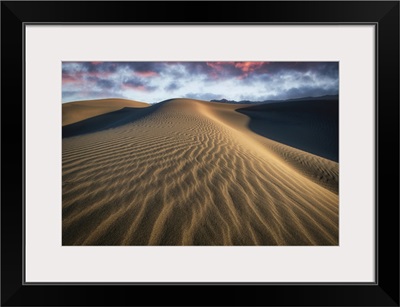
(76, 111)
(309, 125)
(190, 172)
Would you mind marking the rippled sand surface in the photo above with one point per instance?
(189, 172)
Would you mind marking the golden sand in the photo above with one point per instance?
(189, 172)
(79, 110)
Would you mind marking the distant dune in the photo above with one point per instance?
(73, 112)
(312, 125)
(189, 172)
(326, 97)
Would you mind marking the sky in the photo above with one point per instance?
(154, 82)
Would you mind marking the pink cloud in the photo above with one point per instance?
(218, 68)
(146, 74)
(78, 76)
(242, 68)
(248, 67)
(97, 74)
(66, 79)
(140, 88)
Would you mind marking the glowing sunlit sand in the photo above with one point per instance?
(190, 172)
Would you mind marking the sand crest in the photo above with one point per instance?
(76, 111)
(190, 172)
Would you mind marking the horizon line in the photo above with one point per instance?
(211, 100)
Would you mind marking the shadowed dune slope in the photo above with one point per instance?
(312, 126)
(190, 172)
(76, 111)
(107, 121)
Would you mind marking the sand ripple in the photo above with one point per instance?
(190, 173)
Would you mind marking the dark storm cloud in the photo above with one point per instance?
(325, 68)
(105, 83)
(133, 82)
(138, 84)
(172, 86)
(156, 81)
(144, 66)
(111, 67)
(212, 70)
(248, 71)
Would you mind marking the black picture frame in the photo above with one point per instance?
(383, 14)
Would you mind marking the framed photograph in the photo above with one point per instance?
(249, 149)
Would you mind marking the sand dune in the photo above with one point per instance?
(188, 172)
(79, 110)
(307, 125)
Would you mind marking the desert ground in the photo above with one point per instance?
(191, 172)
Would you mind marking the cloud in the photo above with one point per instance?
(157, 81)
(66, 79)
(87, 95)
(107, 84)
(203, 96)
(138, 85)
(145, 74)
(134, 84)
(172, 86)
